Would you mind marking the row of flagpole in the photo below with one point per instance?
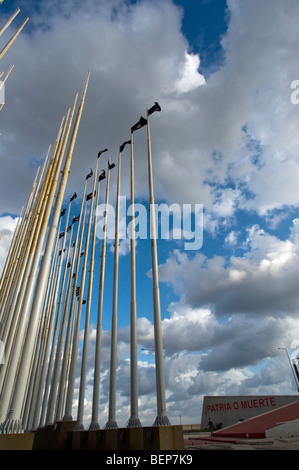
(41, 302)
(28, 289)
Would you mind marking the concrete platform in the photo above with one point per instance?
(207, 443)
(53, 437)
(17, 441)
(61, 436)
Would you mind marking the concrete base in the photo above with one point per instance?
(148, 438)
(163, 438)
(17, 441)
(61, 436)
(130, 439)
(53, 437)
(101, 439)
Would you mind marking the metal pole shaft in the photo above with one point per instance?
(47, 369)
(30, 264)
(38, 356)
(12, 40)
(8, 23)
(70, 392)
(96, 384)
(13, 419)
(112, 423)
(79, 425)
(39, 385)
(134, 419)
(13, 251)
(55, 378)
(72, 308)
(162, 418)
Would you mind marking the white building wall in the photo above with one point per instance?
(229, 410)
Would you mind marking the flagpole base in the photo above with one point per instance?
(161, 421)
(134, 423)
(79, 427)
(67, 418)
(11, 426)
(111, 424)
(94, 426)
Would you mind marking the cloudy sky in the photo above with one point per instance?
(227, 138)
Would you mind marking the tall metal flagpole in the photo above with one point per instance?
(12, 256)
(39, 352)
(10, 264)
(12, 40)
(72, 309)
(40, 385)
(96, 381)
(49, 366)
(134, 418)
(13, 422)
(71, 382)
(79, 424)
(49, 418)
(10, 260)
(23, 262)
(63, 374)
(112, 423)
(162, 418)
(32, 225)
(8, 23)
(20, 310)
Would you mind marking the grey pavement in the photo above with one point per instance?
(206, 442)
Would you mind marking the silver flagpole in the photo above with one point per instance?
(70, 390)
(10, 260)
(15, 245)
(20, 309)
(162, 418)
(39, 352)
(112, 423)
(8, 269)
(63, 374)
(12, 40)
(28, 227)
(79, 424)
(8, 23)
(23, 261)
(134, 418)
(81, 219)
(13, 423)
(96, 382)
(47, 367)
(67, 347)
(39, 382)
(54, 384)
(59, 357)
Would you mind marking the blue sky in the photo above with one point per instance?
(226, 138)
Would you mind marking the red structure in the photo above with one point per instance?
(255, 428)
